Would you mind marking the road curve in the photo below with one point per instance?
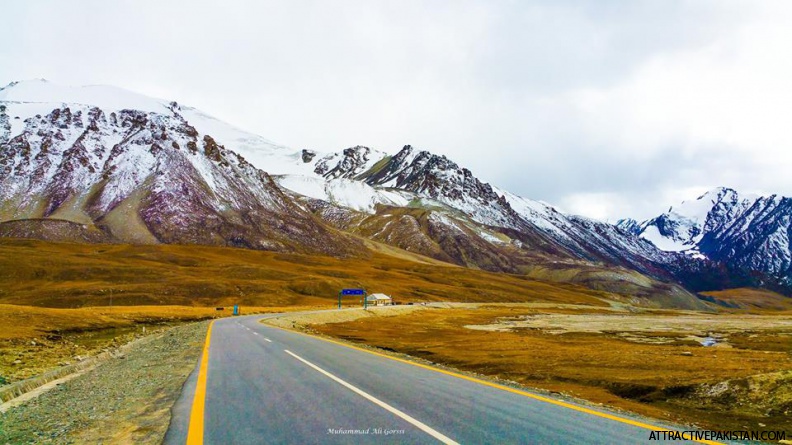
(265, 385)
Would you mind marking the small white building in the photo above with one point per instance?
(379, 300)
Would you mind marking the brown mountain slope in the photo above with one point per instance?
(72, 275)
(750, 298)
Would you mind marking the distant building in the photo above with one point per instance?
(379, 300)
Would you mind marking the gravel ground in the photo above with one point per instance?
(301, 320)
(124, 400)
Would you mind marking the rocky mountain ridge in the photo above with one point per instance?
(431, 179)
(143, 177)
(746, 232)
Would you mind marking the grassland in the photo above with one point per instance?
(649, 362)
(750, 300)
(60, 302)
(37, 273)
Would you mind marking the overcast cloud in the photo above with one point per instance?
(603, 108)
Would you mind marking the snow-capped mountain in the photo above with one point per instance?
(682, 227)
(335, 178)
(146, 174)
(139, 169)
(423, 175)
(743, 231)
(590, 238)
(104, 164)
(490, 218)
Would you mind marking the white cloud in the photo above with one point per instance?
(606, 108)
(727, 105)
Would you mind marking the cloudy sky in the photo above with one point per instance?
(603, 108)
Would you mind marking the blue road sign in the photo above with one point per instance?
(353, 292)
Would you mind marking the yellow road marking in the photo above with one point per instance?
(195, 432)
(504, 388)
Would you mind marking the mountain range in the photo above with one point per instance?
(742, 232)
(102, 164)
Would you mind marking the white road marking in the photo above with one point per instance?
(255, 333)
(268, 340)
(422, 426)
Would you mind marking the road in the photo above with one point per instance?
(265, 385)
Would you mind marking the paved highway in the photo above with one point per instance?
(264, 385)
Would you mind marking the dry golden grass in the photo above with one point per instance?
(44, 338)
(72, 292)
(756, 300)
(21, 322)
(38, 273)
(653, 379)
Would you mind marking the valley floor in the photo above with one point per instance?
(647, 361)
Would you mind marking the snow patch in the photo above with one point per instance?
(445, 220)
(542, 215)
(347, 193)
(261, 153)
(486, 236)
(102, 96)
(652, 234)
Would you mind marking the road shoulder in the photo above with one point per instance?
(126, 399)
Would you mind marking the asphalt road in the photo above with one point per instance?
(266, 385)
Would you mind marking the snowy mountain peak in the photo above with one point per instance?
(698, 209)
(745, 231)
(17, 82)
(349, 164)
(24, 100)
(40, 91)
(140, 176)
(629, 225)
(683, 226)
(407, 154)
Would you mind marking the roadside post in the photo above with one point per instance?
(236, 309)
